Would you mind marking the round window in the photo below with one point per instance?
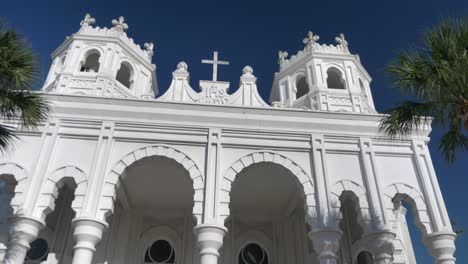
(38, 251)
(160, 252)
(253, 254)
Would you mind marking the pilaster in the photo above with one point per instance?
(98, 170)
(212, 176)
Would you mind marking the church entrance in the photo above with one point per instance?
(152, 220)
(267, 222)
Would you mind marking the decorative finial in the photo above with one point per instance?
(182, 67)
(282, 55)
(87, 21)
(342, 41)
(247, 71)
(149, 46)
(311, 39)
(120, 24)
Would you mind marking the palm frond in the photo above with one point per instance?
(18, 67)
(407, 117)
(6, 136)
(30, 108)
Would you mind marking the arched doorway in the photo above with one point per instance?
(153, 219)
(267, 217)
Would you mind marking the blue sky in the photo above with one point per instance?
(251, 33)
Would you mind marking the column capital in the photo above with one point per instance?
(326, 244)
(441, 245)
(381, 245)
(24, 229)
(210, 238)
(209, 241)
(87, 232)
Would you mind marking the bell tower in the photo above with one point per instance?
(102, 62)
(322, 77)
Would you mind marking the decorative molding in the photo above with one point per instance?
(106, 204)
(397, 192)
(50, 190)
(21, 177)
(266, 156)
(362, 206)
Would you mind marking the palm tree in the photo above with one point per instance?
(19, 107)
(437, 75)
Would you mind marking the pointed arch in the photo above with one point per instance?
(21, 177)
(362, 204)
(266, 156)
(109, 192)
(397, 192)
(50, 190)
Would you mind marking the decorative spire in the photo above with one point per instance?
(282, 55)
(311, 39)
(119, 25)
(182, 67)
(342, 41)
(87, 21)
(247, 71)
(149, 48)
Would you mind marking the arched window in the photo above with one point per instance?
(91, 63)
(363, 88)
(124, 75)
(253, 254)
(38, 251)
(161, 251)
(335, 79)
(365, 258)
(302, 88)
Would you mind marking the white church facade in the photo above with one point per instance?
(118, 175)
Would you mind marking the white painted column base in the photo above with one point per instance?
(22, 232)
(326, 244)
(87, 234)
(441, 245)
(209, 241)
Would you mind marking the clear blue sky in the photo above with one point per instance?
(251, 33)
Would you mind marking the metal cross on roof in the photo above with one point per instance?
(215, 63)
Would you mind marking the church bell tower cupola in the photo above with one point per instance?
(322, 77)
(102, 62)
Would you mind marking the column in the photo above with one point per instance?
(326, 244)
(209, 241)
(22, 232)
(87, 233)
(381, 246)
(441, 245)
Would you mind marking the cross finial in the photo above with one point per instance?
(342, 41)
(311, 39)
(215, 63)
(149, 48)
(87, 21)
(120, 24)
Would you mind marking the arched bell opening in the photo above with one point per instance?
(335, 79)
(302, 87)
(90, 61)
(152, 192)
(125, 75)
(267, 217)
